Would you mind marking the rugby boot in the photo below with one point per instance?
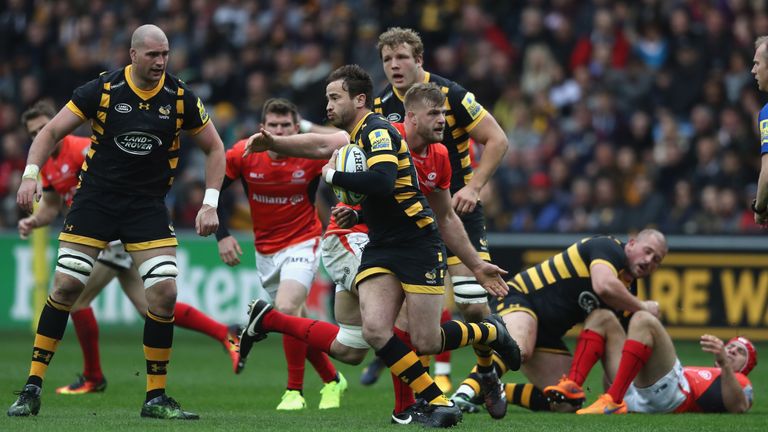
(372, 372)
(232, 344)
(565, 391)
(83, 385)
(252, 332)
(429, 415)
(330, 394)
(292, 400)
(604, 405)
(165, 407)
(28, 402)
(466, 403)
(504, 345)
(494, 396)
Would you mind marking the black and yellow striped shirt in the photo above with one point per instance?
(463, 113)
(404, 213)
(135, 141)
(561, 286)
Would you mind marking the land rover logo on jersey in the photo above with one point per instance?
(138, 143)
(394, 117)
(588, 301)
(123, 108)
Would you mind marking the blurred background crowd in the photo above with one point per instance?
(620, 114)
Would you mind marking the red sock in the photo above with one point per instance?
(445, 356)
(322, 364)
(316, 334)
(403, 393)
(191, 318)
(88, 334)
(589, 349)
(633, 357)
(295, 356)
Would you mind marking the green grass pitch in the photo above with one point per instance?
(201, 379)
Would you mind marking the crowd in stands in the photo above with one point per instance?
(620, 114)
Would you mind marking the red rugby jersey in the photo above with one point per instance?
(61, 173)
(706, 390)
(282, 209)
(433, 168)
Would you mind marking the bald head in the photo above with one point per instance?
(147, 31)
(650, 233)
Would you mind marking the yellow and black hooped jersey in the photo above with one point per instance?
(560, 288)
(463, 113)
(135, 140)
(404, 214)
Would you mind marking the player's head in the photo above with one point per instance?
(280, 117)
(402, 56)
(425, 111)
(349, 91)
(645, 252)
(760, 63)
(149, 53)
(742, 354)
(36, 117)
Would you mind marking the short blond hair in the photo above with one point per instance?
(760, 41)
(423, 93)
(396, 36)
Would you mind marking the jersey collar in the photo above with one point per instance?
(357, 127)
(144, 94)
(402, 96)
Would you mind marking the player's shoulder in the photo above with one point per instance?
(446, 85)
(238, 147)
(602, 243)
(439, 149)
(384, 95)
(376, 121)
(764, 112)
(400, 128)
(75, 144)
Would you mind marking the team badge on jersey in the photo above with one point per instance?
(165, 112)
(201, 109)
(380, 140)
(472, 106)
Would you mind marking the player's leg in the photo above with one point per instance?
(470, 297)
(443, 360)
(85, 228)
(544, 368)
(647, 356)
(602, 332)
(87, 329)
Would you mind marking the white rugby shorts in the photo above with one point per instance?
(296, 262)
(115, 256)
(664, 396)
(341, 257)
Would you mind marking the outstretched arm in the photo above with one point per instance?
(455, 237)
(734, 399)
(306, 145)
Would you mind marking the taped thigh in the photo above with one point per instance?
(466, 290)
(74, 263)
(158, 269)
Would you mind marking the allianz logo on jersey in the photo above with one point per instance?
(278, 200)
(137, 143)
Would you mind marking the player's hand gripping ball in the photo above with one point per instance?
(350, 159)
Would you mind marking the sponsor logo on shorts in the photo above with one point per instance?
(123, 108)
(588, 301)
(137, 143)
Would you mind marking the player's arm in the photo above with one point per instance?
(229, 248)
(734, 399)
(608, 287)
(489, 133)
(379, 180)
(760, 206)
(455, 237)
(305, 145)
(45, 213)
(54, 131)
(207, 221)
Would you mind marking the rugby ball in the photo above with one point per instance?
(350, 159)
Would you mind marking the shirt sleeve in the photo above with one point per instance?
(234, 158)
(443, 165)
(605, 250)
(467, 110)
(195, 115)
(763, 122)
(85, 99)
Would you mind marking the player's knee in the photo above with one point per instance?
(470, 297)
(643, 320)
(474, 312)
(287, 307)
(158, 269)
(426, 343)
(376, 336)
(600, 319)
(75, 264)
